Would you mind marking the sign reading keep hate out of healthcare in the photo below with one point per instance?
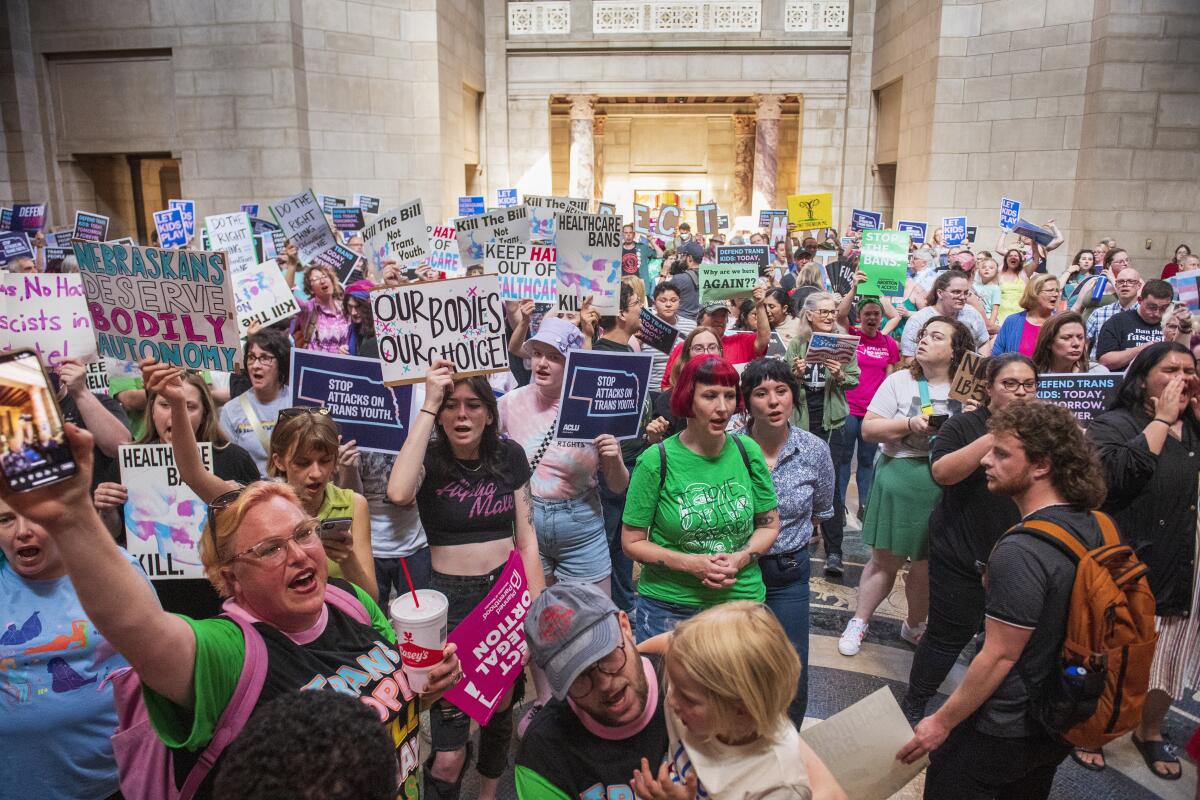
(526, 271)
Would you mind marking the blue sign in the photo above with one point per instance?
(470, 206)
(603, 392)
(14, 245)
(1010, 212)
(188, 209)
(954, 230)
(28, 217)
(250, 208)
(1039, 234)
(866, 220)
(169, 225)
(365, 410)
(506, 198)
(916, 230)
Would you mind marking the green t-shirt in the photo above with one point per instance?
(707, 505)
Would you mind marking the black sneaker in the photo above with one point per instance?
(833, 564)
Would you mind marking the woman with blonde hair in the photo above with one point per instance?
(1019, 332)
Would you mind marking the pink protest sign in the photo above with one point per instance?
(491, 644)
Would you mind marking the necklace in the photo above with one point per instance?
(476, 468)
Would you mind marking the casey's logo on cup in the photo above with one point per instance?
(414, 655)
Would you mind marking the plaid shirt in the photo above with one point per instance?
(1096, 321)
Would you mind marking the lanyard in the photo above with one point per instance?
(926, 405)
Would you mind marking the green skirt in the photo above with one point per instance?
(902, 498)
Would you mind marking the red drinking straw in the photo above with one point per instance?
(407, 577)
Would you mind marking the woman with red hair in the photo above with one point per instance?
(701, 507)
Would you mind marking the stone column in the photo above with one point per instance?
(598, 171)
(766, 146)
(743, 163)
(583, 149)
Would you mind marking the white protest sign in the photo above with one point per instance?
(461, 319)
(48, 313)
(163, 517)
(399, 233)
(589, 261)
(542, 210)
(509, 225)
(305, 224)
(261, 295)
(232, 235)
(526, 271)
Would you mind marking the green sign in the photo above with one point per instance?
(884, 259)
(734, 275)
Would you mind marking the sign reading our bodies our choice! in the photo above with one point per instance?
(526, 271)
(602, 392)
(163, 517)
(366, 411)
(589, 261)
(172, 305)
(460, 319)
(47, 313)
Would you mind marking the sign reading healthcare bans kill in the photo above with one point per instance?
(1084, 394)
(163, 517)
(366, 411)
(460, 319)
(735, 274)
(526, 271)
(602, 392)
(175, 306)
(589, 261)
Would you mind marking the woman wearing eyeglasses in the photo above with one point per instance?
(700, 342)
(261, 550)
(1019, 332)
(965, 525)
(249, 418)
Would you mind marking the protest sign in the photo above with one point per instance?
(95, 373)
(779, 230)
(526, 271)
(1010, 212)
(304, 222)
(491, 644)
(90, 227)
(187, 210)
(1039, 234)
(169, 225)
(509, 225)
(971, 231)
(602, 392)
(262, 226)
(14, 245)
(330, 202)
(28, 217)
(589, 261)
(172, 305)
(443, 250)
(164, 518)
(859, 746)
(399, 234)
(656, 333)
(368, 204)
(460, 319)
(261, 295)
(706, 219)
(267, 246)
(668, 220)
(1186, 289)
(506, 198)
(373, 415)
(232, 235)
(723, 222)
(837, 346)
(473, 204)
(735, 274)
(641, 219)
(915, 230)
(348, 218)
(343, 261)
(865, 220)
(61, 238)
(808, 211)
(606, 208)
(884, 260)
(47, 313)
(250, 208)
(1084, 394)
(970, 383)
(5, 218)
(765, 216)
(954, 230)
(542, 210)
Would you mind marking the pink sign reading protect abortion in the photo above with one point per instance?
(491, 644)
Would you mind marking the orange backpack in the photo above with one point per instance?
(1097, 695)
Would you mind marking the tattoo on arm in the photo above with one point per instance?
(764, 519)
(527, 494)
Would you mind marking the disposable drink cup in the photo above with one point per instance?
(420, 633)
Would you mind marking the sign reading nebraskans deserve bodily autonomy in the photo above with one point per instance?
(589, 261)
(460, 319)
(352, 388)
(602, 392)
(172, 305)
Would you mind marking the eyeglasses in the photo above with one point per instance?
(272, 552)
(263, 359)
(299, 411)
(1127, 281)
(610, 665)
(700, 349)
(221, 503)
(1012, 384)
(825, 312)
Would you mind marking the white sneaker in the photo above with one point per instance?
(852, 637)
(912, 635)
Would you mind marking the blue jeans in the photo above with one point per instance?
(622, 565)
(786, 577)
(390, 576)
(571, 538)
(852, 440)
(652, 617)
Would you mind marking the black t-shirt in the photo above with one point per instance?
(465, 504)
(1126, 330)
(968, 520)
(814, 379)
(562, 752)
(1029, 583)
(629, 259)
(630, 448)
(104, 469)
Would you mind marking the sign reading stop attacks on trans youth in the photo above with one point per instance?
(602, 392)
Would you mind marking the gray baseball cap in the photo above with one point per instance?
(570, 627)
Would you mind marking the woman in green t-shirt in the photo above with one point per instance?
(700, 509)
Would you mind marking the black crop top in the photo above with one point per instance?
(465, 507)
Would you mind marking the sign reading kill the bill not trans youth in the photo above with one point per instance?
(262, 295)
(589, 261)
(526, 271)
(476, 232)
(542, 209)
(602, 392)
(884, 260)
(1084, 394)
(175, 306)
(366, 411)
(399, 233)
(459, 319)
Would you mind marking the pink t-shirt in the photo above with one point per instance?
(568, 469)
(1029, 334)
(875, 354)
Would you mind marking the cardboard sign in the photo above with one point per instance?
(884, 260)
(302, 219)
(526, 271)
(232, 235)
(969, 385)
(343, 261)
(169, 225)
(656, 333)
(1186, 289)
(90, 227)
(865, 220)
(641, 219)
(399, 234)
(261, 295)
(172, 305)
(373, 415)
(916, 230)
(461, 320)
(348, 218)
(14, 245)
(735, 274)
(668, 220)
(1010, 212)
(1084, 394)
(1039, 234)
(187, 210)
(164, 518)
(706, 219)
(443, 250)
(606, 208)
(368, 204)
(28, 217)
(837, 346)
(589, 261)
(954, 230)
(506, 198)
(602, 392)
(542, 210)
(47, 313)
(808, 211)
(491, 644)
(509, 225)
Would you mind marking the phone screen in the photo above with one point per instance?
(336, 528)
(33, 451)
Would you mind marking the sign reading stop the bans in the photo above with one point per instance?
(884, 260)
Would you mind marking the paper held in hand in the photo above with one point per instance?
(969, 384)
(837, 346)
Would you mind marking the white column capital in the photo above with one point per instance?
(583, 106)
(770, 106)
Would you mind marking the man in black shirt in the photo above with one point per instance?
(1130, 332)
(984, 742)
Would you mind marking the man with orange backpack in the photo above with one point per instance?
(1069, 628)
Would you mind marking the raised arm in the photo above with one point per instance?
(109, 432)
(762, 336)
(847, 301)
(408, 470)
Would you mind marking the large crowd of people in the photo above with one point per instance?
(670, 573)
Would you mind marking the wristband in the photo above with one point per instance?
(430, 413)
(1163, 421)
(908, 423)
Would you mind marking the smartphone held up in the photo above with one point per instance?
(33, 450)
